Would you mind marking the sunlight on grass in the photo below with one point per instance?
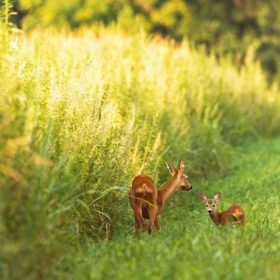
(81, 114)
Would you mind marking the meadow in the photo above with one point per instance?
(189, 245)
(82, 113)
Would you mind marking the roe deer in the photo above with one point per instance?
(147, 201)
(234, 214)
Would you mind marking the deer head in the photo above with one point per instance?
(210, 203)
(179, 176)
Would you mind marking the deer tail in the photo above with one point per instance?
(144, 186)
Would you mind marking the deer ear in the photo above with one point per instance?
(182, 165)
(202, 197)
(171, 168)
(217, 196)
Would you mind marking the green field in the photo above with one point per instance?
(189, 245)
(82, 113)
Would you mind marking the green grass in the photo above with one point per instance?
(189, 245)
(82, 114)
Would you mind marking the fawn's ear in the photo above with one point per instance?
(171, 168)
(202, 197)
(217, 197)
(181, 166)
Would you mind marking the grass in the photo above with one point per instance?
(189, 245)
(82, 113)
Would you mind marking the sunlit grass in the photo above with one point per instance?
(82, 114)
(189, 245)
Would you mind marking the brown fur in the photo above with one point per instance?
(143, 200)
(233, 215)
(147, 201)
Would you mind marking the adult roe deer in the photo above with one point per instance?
(147, 201)
(234, 214)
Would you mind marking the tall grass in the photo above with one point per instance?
(189, 245)
(81, 114)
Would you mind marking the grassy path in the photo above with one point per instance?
(189, 245)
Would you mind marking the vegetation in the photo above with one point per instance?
(189, 245)
(228, 27)
(83, 112)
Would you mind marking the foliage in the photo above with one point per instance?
(189, 245)
(228, 27)
(81, 114)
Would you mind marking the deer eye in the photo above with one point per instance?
(213, 206)
(206, 205)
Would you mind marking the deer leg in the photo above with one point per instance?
(139, 223)
(136, 205)
(157, 221)
(139, 220)
(152, 217)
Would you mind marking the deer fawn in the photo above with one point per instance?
(234, 214)
(148, 202)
